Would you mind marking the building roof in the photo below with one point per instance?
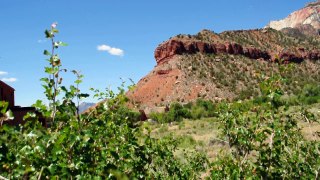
(2, 84)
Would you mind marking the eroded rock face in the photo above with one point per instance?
(169, 49)
(233, 48)
(314, 55)
(221, 48)
(254, 53)
(176, 47)
(306, 15)
(288, 57)
(305, 20)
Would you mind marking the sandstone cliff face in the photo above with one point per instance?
(173, 47)
(177, 47)
(306, 20)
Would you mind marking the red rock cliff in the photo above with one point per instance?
(178, 47)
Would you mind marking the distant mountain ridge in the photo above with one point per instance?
(306, 20)
(85, 105)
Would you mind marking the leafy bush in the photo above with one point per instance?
(103, 144)
(265, 143)
(310, 94)
(159, 117)
(177, 112)
(198, 112)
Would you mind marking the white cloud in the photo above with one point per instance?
(42, 40)
(111, 50)
(3, 73)
(9, 79)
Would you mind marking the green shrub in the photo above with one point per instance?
(159, 117)
(310, 94)
(198, 112)
(103, 144)
(265, 143)
(206, 104)
(176, 113)
(188, 105)
(187, 141)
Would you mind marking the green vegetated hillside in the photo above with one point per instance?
(265, 39)
(238, 77)
(226, 66)
(239, 74)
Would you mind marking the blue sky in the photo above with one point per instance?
(130, 30)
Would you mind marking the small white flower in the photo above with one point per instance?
(54, 25)
(31, 135)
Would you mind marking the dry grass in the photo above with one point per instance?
(193, 135)
(309, 128)
(202, 135)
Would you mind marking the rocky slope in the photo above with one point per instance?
(224, 66)
(305, 20)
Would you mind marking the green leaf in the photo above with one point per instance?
(54, 30)
(48, 34)
(29, 115)
(45, 80)
(64, 89)
(82, 95)
(49, 70)
(63, 44)
(74, 72)
(47, 53)
(78, 81)
(59, 43)
(3, 105)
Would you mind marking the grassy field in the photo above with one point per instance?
(203, 135)
(193, 135)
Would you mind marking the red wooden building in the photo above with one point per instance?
(7, 95)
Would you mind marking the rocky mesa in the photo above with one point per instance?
(221, 66)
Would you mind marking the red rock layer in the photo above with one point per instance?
(176, 47)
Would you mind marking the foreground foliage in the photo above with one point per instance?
(105, 147)
(264, 142)
(102, 144)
